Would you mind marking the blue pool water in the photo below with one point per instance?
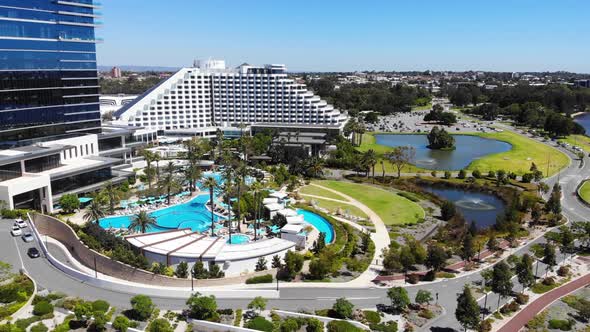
(239, 239)
(317, 221)
(192, 214)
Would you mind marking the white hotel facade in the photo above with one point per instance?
(198, 100)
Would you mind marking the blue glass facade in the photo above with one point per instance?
(48, 74)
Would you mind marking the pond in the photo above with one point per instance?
(483, 208)
(468, 148)
(584, 121)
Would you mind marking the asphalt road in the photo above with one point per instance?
(14, 252)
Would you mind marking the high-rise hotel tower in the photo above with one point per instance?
(48, 76)
(209, 95)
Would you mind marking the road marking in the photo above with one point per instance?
(22, 263)
(348, 298)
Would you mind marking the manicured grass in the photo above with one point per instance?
(518, 160)
(422, 108)
(524, 152)
(393, 209)
(313, 190)
(582, 141)
(333, 206)
(585, 191)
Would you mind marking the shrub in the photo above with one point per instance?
(343, 308)
(289, 325)
(429, 276)
(521, 298)
(263, 279)
(39, 328)
(70, 302)
(142, 307)
(427, 314)
(121, 323)
(563, 271)
(372, 317)
(342, 326)
(550, 281)
(461, 174)
(314, 325)
(485, 326)
(509, 307)
(260, 324)
(412, 197)
(476, 174)
(560, 324)
(159, 325)
(42, 308)
(491, 174)
(100, 305)
(390, 326)
(238, 319)
(527, 177)
(25, 322)
(413, 278)
(447, 175)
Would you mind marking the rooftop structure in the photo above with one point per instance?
(209, 95)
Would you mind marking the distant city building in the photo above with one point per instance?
(116, 72)
(515, 76)
(582, 83)
(200, 99)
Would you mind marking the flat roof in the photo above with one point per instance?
(29, 152)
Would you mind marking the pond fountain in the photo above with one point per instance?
(468, 148)
(480, 207)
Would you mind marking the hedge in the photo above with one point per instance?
(260, 324)
(263, 279)
(342, 326)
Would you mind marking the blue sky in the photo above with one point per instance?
(326, 35)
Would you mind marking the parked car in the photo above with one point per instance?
(20, 223)
(28, 237)
(16, 231)
(33, 252)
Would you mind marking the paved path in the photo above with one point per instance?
(525, 315)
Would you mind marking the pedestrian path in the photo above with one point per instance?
(530, 311)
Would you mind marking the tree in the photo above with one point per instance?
(121, 323)
(437, 257)
(467, 312)
(202, 307)
(95, 210)
(258, 303)
(553, 204)
(169, 181)
(314, 325)
(276, 262)
(261, 264)
(440, 139)
(212, 184)
(142, 222)
(400, 157)
(99, 322)
(406, 258)
(391, 259)
(524, 271)
(501, 282)
(319, 244)
(293, 265)
(142, 306)
(343, 308)
(159, 325)
(467, 250)
(399, 298)
(69, 203)
(549, 256)
(182, 270)
(112, 195)
(448, 210)
(423, 296)
(149, 157)
(368, 161)
(199, 271)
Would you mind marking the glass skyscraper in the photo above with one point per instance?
(48, 74)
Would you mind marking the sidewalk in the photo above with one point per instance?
(528, 313)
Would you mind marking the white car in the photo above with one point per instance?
(20, 223)
(16, 231)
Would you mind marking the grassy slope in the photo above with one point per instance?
(582, 141)
(516, 160)
(313, 190)
(393, 209)
(332, 206)
(585, 191)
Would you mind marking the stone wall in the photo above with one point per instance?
(60, 231)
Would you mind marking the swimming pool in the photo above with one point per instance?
(239, 239)
(192, 214)
(319, 222)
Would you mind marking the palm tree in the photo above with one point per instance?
(149, 157)
(112, 195)
(169, 181)
(211, 183)
(241, 173)
(94, 210)
(256, 188)
(192, 173)
(157, 159)
(315, 167)
(228, 176)
(369, 160)
(142, 221)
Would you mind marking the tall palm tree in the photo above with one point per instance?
(256, 188)
(369, 159)
(192, 173)
(241, 173)
(157, 159)
(149, 157)
(142, 221)
(228, 176)
(169, 181)
(211, 183)
(94, 210)
(112, 195)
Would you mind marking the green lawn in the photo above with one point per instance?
(333, 206)
(422, 108)
(582, 141)
(518, 160)
(585, 191)
(393, 209)
(313, 190)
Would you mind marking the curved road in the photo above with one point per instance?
(14, 251)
